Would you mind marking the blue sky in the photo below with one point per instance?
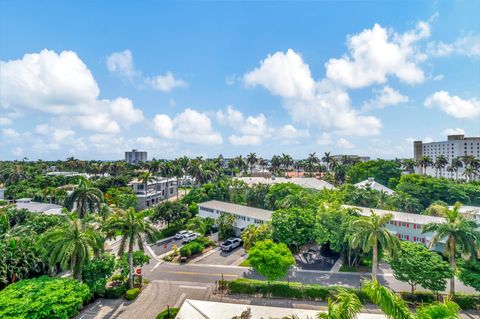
(92, 79)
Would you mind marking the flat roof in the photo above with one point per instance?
(158, 180)
(36, 207)
(399, 216)
(199, 309)
(306, 182)
(247, 211)
(374, 185)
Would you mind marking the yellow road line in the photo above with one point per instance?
(199, 273)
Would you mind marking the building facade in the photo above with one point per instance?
(135, 157)
(244, 215)
(154, 192)
(455, 146)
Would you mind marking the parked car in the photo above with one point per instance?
(231, 243)
(189, 237)
(182, 233)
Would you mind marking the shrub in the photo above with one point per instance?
(205, 241)
(467, 302)
(243, 286)
(418, 297)
(43, 297)
(118, 278)
(191, 248)
(115, 292)
(287, 290)
(132, 293)
(316, 292)
(168, 313)
(169, 231)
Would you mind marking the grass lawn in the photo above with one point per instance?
(245, 263)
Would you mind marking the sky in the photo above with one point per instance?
(93, 79)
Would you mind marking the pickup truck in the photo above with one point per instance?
(230, 244)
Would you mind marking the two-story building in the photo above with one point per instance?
(406, 226)
(154, 192)
(244, 215)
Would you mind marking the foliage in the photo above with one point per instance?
(271, 260)
(191, 248)
(97, 271)
(226, 224)
(197, 224)
(469, 273)
(278, 192)
(84, 199)
(132, 293)
(43, 298)
(115, 291)
(139, 259)
(253, 234)
(169, 313)
(417, 265)
(392, 305)
(170, 211)
(345, 305)
(381, 170)
(122, 197)
(293, 226)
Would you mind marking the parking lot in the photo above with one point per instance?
(219, 257)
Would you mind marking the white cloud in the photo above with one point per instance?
(468, 45)
(10, 133)
(290, 132)
(384, 97)
(242, 140)
(190, 126)
(61, 84)
(438, 77)
(343, 143)
(454, 105)
(57, 134)
(4, 121)
(165, 83)
(325, 139)
(323, 104)
(453, 131)
(121, 63)
(374, 54)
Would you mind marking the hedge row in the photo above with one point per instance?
(132, 293)
(321, 293)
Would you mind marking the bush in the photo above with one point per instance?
(43, 297)
(316, 292)
(170, 231)
(168, 313)
(115, 292)
(118, 278)
(132, 293)
(287, 290)
(467, 302)
(191, 248)
(205, 241)
(418, 297)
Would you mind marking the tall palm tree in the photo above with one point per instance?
(409, 165)
(345, 305)
(287, 161)
(424, 162)
(369, 233)
(456, 164)
(327, 159)
(440, 163)
(84, 199)
(13, 175)
(132, 227)
(312, 160)
(298, 165)
(275, 163)
(462, 236)
(71, 245)
(251, 160)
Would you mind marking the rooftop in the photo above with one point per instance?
(370, 182)
(252, 212)
(158, 180)
(307, 182)
(198, 309)
(399, 216)
(36, 207)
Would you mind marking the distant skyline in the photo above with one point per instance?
(201, 78)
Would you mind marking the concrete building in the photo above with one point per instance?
(154, 192)
(308, 182)
(455, 146)
(199, 309)
(406, 226)
(358, 158)
(370, 182)
(135, 157)
(471, 211)
(36, 207)
(244, 215)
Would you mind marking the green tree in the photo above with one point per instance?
(133, 227)
(71, 245)
(97, 271)
(369, 233)
(417, 265)
(226, 225)
(170, 211)
(84, 199)
(462, 237)
(271, 260)
(197, 224)
(294, 226)
(253, 234)
(345, 305)
(139, 259)
(469, 273)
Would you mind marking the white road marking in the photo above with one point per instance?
(158, 264)
(193, 287)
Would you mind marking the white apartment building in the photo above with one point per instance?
(305, 182)
(135, 157)
(244, 215)
(154, 192)
(454, 146)
(405, 226)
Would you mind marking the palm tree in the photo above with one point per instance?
(327, 159)
(370, 233)
(275, 163)
(197, 224)
(287, 161)
(440, 163)
(424, 162)
(409, 165)
(346, 305)
(462, 236)
(177, 172)
(251, 160)
(132, 227)
(71, 245)
(298, 165)
(84, 199)
(312, 160)
(456, 165)
(13, 175)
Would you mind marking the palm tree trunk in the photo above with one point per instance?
(453, 265)
(375, 262)
(177, 187)
(130, 265)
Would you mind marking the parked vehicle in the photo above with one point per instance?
(231, 243)
(189, 237)
(182, 233)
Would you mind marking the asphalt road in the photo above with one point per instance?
(159, 248)
(219, 257)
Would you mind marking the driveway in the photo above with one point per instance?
(219, 257)
(159, 246)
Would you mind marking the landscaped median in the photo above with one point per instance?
(281, 289)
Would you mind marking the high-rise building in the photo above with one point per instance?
(456, 146)
(135, 157)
